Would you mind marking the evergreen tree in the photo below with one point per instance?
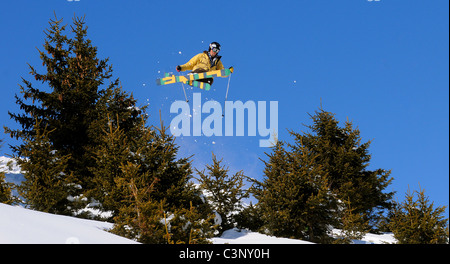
(294, 197)
(310, 184)
(108, 174)
(47, 186)
(250, 218)
(190, 226)
(345, 160)
(72, 100)
(140, 216)
(224, 193)
(145, 183)
(354, 225)
(416, 221)
(5, 188)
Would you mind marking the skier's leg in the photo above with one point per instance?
(206, 80)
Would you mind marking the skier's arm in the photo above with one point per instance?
(220, 66)
(191, 63)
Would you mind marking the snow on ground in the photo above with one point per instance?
(23, 226)
(387, 238)
(19, 226)
(235, 236)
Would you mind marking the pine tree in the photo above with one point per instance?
(140, 216)
(158, 159)
(190, 226)
(5, 188)
(416, 221)
(108, 173)
(72, 100)
(354, 225)
(146, 183)
(181, 199)
(345, 160)
(224, 193)
(294, 197)
(48, 186)
(250, 218)
(308, 183)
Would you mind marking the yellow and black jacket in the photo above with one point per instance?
(203, 62)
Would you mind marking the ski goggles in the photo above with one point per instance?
(215, 49)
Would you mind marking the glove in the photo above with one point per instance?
(178, 68)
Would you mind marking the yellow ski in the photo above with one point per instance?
(169, 79)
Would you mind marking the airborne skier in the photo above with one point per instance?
(204, 67)
(204, 62)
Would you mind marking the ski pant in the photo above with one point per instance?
(206, 80)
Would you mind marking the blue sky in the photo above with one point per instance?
(381, 64)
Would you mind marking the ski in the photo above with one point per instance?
(169, 79)
(201, 85)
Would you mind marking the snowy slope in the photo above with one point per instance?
(234, 236)
(19, 225)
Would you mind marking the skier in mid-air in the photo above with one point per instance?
(203, 62)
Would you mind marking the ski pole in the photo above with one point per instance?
(226, 95)
(184, 91)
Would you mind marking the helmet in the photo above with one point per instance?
(215, 46)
